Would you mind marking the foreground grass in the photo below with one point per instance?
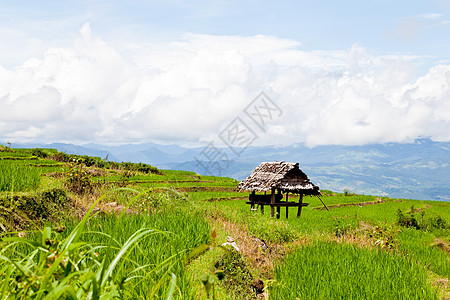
(163, 253)
(134, 257)
(339, 271)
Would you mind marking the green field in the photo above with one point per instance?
(82, 228)
(327, 270)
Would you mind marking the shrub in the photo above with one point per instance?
(39, 153)
(237, 277)
(20, 212)
(436, 222)
(55, 196)
(409, 220)
(60, 157)
(78, 180)
(6, 148)
(139, 167)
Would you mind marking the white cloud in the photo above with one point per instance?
(431, 16)
(410, 28)
(189, 90)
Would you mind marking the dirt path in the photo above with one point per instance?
(260, 255)
(378, 201)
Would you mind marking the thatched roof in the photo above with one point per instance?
(281, 175)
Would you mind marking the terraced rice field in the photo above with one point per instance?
(321, 255)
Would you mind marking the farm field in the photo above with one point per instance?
(83, 228)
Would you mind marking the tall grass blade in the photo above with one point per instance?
(63, 287)
(7, 271)
(77, 231)
(131, 242)
(173, 284)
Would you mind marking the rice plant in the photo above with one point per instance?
(340, 271)
(419, 245)
(15, 177)
(132, 257)
(52, 268)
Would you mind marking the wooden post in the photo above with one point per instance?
(262, 205)
(252, 199)
(287, 207)
(300, 201)
(278, 207)
(272, 201)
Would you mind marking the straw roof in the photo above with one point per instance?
(281, 175)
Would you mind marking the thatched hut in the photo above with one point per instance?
(284, 177)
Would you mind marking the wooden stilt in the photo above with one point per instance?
(279, 208)
(300, 201)
(262, 205)
(272, 201)
(252, 199)
(287, 207)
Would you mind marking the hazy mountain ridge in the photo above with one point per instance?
(419, 170)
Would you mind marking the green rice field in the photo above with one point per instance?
(326, 270)
(68, 230)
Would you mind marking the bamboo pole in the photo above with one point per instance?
(323, 203)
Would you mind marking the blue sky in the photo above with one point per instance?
(181, 71)
(417, 27)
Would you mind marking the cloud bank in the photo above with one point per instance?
(188, 90)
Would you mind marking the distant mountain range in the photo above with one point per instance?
(418, 170)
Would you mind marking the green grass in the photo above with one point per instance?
(139, 257)
(179, 233)
(211, 196)
(7, 154)
(38, 162)
(339, 271)
(419, 245)
(342, 199)
(262, 226)
(178, 172)
(14, 177)
(230, 185)
(150, 178)
(42, 166)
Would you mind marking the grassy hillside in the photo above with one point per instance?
(84, 228)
